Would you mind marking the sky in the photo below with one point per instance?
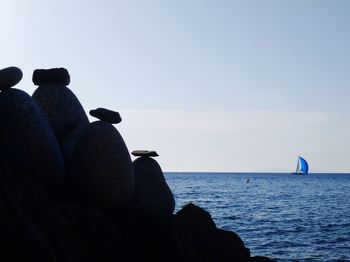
(212, 86)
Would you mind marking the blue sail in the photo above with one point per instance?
(304, 167)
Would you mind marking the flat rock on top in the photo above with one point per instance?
(53, 75)
(106, 115)
(144, 153)
(9, 77)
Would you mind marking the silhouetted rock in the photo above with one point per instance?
(152, 198)
(146, 240)
(53, 75)
(261, 259)
(103, 172)
(31, 134)
(31, 224)
(9, 77)
(61, 107)
(144, 153)
(102, 237)
(106, 115)
(200, 240)
(38, 225)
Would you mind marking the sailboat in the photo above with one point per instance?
(302, 167)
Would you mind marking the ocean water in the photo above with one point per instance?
(284, 217)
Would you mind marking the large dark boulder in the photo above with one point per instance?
(152, 198)
(102, 169)
(200, 240)
(61, 107)
(30, 133)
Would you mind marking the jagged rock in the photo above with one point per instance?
(61, 107)
(200, 240)
(144, 153)
(102, 169)
(106, 115)
(9, 77)
(152, 198)
(30, 133)
(53, 75)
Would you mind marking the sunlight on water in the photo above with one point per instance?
(285, 217)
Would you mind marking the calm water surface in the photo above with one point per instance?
(285, 217)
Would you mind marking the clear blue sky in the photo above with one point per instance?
(210, 85)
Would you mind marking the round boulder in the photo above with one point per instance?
(30, 132)
(152, 199)
(9, 77)
(61, 107)
(102, 168)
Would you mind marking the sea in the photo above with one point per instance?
(282, 216)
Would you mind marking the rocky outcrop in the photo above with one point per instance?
(102, 169)
(109, 215)
(39, 228)
(200, 240)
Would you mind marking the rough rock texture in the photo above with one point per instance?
(152, 198)
(102, 169)
(27, 128)
(106, 115)
(62, 109)
(9, 77)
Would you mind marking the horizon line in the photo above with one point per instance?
(248, 172)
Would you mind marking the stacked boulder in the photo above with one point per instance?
(152, 199)
(102, 168)
(61, 107)
(29, 131)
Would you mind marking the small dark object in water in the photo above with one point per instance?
(53, 75)
(248, 180)
(106, 115)
(144, 153)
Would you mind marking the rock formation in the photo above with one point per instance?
(29, 132)
(102, 169)
(61, 107)
(152, 198)
(122, 211)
